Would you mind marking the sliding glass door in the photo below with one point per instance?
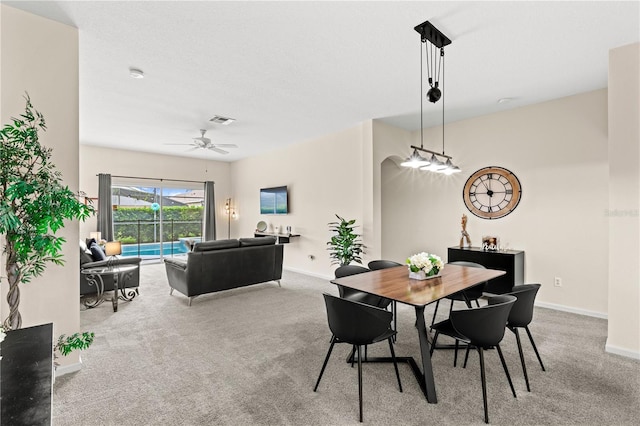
(155, 219)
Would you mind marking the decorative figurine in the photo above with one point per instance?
(465, 234)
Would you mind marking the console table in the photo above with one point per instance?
(280, 238)
(26, 371)
(510, 261)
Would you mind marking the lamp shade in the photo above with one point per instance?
(415, 160)
(113, 248)
(96, 236)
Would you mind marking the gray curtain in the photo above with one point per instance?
(105, 208)
(209, 222)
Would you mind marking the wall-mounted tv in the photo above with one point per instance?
(274, 200)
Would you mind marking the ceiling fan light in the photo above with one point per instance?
(415, 160)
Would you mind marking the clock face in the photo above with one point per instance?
(492, 192)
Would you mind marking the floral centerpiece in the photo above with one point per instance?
(423, 266)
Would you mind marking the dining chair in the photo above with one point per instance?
(472, 294)
(375, 265)
(482, 328)
(356, 295)
(520, 317)
(357, 324)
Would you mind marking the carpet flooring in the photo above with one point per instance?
(251, 356)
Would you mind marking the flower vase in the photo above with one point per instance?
(421, 275)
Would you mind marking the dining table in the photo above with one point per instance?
(394, 284)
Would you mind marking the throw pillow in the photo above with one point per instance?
(85, 257)
(97, 253)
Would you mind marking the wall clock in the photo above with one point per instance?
(492, 192)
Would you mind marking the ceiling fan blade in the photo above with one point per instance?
(218, 150)
(193, 149)
(226, 145)
(178, 144)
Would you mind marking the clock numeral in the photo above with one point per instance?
(489, 209)
(472, 194)
(509, 191)
(489, 175)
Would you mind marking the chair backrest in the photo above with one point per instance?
(474, 292)
(346, 270)
(484, 326)
(354, 322)
(522, 312)
(374, 265)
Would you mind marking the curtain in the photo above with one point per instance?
(209, 222)
(105, 208)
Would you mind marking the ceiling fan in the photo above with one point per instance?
(205, 143)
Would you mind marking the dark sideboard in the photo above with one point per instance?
(26, 376)
(510, 261)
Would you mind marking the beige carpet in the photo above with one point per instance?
(252, 355)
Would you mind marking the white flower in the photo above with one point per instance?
(431, 264)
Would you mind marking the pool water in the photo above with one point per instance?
(153, 249)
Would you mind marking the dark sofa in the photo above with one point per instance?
(131, 280)
(225, 264)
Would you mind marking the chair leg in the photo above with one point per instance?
(395, 318)
(466, 357)
(360, 382)
(171, 291)
(395, 364)
(433, 344)
(326, 359)
(506, 370)
(455, 354)
(353, 352)
(534, 347)
(484, 385)
(435, 311)
(524, 367)
(190, 299)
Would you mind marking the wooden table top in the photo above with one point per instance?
(394, 283)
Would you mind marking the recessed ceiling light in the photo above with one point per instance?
(135, 73)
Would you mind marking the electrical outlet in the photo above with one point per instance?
(557, 282)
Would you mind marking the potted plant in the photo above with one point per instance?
(345, 246)
(34, 205)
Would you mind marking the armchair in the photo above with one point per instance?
(86, 261)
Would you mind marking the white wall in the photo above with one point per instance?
(558, 150)
(624, 202)
(40, 57)
(324, 178)
(94, 160)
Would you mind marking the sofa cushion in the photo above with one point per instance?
(257, 241)
(215, 245)
(97, 253)
(85, 257)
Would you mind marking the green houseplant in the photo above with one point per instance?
(34, 205)
(345, 246)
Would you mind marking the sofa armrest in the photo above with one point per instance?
(112, 262)
(176, 263)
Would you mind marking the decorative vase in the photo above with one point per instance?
(421, 275)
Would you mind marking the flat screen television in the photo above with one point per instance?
(274, 200)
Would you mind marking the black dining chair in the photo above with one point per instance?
(375, 265)
(357, 324)
(468, 295)
(356, 295)
(481, 328)
(520, 317)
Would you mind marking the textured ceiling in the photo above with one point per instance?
(292, 71)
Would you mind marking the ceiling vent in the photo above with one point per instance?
(222, 120)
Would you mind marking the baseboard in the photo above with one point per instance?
(61, 370)
(621, 351)
(311, 274)
(572, 310)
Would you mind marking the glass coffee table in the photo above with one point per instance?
(95, 277)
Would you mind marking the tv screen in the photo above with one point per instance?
(273, 200)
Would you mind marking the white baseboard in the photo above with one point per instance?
(311, 274)
(61, 370)
(571, 310)
(621, 351)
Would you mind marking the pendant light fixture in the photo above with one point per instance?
(432, 39)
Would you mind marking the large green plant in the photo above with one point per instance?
(33, 205)
(345, 246)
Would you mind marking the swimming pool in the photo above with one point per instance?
(153, 249)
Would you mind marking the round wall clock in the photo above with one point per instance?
(492, 192)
